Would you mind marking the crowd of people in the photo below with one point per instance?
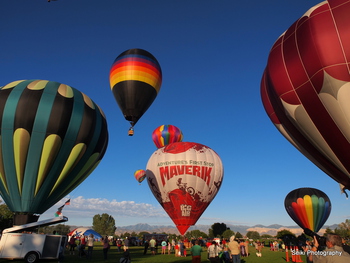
(218, 251)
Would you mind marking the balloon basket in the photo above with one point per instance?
(131, 132)
(22, 219)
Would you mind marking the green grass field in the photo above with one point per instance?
(137, 256)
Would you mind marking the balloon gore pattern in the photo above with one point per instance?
(184, 177)
(308, 207)
(166, 134)
(305, 88)
(52, 137)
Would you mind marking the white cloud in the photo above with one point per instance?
(81, 210)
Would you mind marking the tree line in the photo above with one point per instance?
(105, 225)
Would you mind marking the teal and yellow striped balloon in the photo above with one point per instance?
(52, 137)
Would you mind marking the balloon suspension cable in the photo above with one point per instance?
(131, 129)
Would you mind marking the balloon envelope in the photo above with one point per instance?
(184, 177)
(308, 207)
(135, 79)
(305, 87)
(52, 137)
(84, 231)
(166, 134)
(140, 175)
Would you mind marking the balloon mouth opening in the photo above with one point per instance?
(22, 219)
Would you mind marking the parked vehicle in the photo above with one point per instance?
(19, 242)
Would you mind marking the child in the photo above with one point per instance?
(177, 250)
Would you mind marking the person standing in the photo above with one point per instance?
(234, 248)
(82, 246)
(196, 252)
(72, 245)
(90, 245)
(164, 245)
(169, 247)
(213, 251)
(152, 244)
(146, 244)
(119, 244)
(126, 243)
(105, 243)
(182, 248)
(177, 250)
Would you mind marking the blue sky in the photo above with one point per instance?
(212, 55)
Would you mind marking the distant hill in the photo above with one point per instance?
(243, 229)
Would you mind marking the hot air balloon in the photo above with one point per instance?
(166, 134)
(305, 87)
(184, 177)
(52, 137)
(140, 175)
(135, 79)
(308, 207)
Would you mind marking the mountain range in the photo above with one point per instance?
(261, 229)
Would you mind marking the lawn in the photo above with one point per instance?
(137, 256)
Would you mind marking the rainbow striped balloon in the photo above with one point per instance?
(166, 134)
(135, 79)
(140, 175)
(308, 207)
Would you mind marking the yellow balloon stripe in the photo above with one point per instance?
(37, 85)
(21, 138)
(2, 170)
(51, 146)
(89, 166)
(65, 91)
(12, 84)
(309, 211)
(74, 157)
(142, 76)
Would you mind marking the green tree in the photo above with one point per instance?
(227, 233)
(239, 235)
(6, 217)
(253, 235)
(266, 236)
(329, 231)
(281, 234)
(60, 229)
(344, 229)
(218, 229)
(196, 234)
(211, 233)
(104, 224)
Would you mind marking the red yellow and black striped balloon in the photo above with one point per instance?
(135, 80)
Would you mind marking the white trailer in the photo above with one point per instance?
(18, 243)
